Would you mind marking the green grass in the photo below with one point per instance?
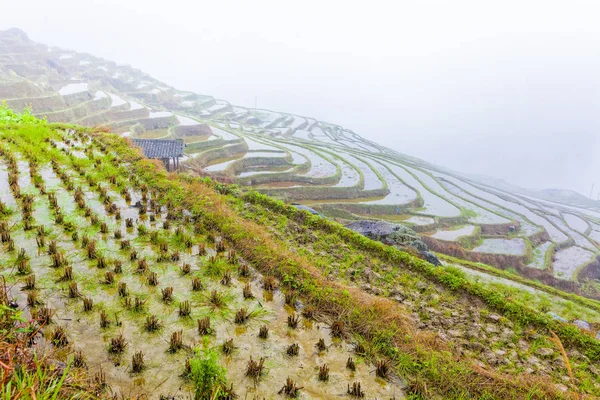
(313, 289)
(32, 375)
(378, 322)
(7, 116)
(207, 375)
(41, 381)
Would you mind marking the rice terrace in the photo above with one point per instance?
(278, 257)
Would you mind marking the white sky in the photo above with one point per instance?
(504, 88)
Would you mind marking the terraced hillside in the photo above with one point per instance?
(139, 283)
(551, 236)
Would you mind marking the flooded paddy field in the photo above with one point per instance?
(325, 158)
(132, 294)
(569, 260)
(452, 235)
(502, 246)
(399, 192)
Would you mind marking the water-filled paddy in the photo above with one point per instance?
(433, 204)
(538, 258)
(320, 167)
(502, 246)
(371, 180)
(400, 193)
(73, 88)
(568, 260)
(453, 234)
(576, 222)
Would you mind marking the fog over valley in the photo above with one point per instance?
(300, 200)
(510, 91)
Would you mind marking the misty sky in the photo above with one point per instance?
(509, 89)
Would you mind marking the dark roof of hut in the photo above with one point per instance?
(161, 148)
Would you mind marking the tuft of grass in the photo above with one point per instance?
(101, 262)
(228, 347)
(167, 294)
(152, 323)
(290, 389)
(204, 327)
(88, 304)
(185, 308)
(23, 267)
(216, 299)
(209, 378)
(215, 267)
(308, 312)
(117, 344)
(293, 320)
(247, 291)
(152, 278)
(350, 364)
(290, 298)
(270, 283)
(320, 345)
(255, 369)
(122, 289)
(382, 368)
(197, 284)
(176, 341)
(142, 266)
(337, 329)
(74, 291)
(29, 282)
(263, 332)
(226, 278)
(355, 390)
(324, 373)
(32, 299)
(67, 275)
(109, 278)
(137, 362)
(241, 316)
(360, 349)
(79, 360)
(244, 270)
(104, 321)
(43, 315)
(293, 349)
(58, 337)
(186, 269)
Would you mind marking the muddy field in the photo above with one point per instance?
(131, 294)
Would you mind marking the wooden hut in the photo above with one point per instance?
(167, 150)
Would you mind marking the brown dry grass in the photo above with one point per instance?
(377, 314)
(102, 128)
(556, 340)
(37, 367)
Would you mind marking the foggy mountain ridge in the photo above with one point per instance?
(509, 91)
(550, 194)
(383, 201)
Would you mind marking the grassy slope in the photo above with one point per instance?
(28, 373)
(429, 365)
(417, 355)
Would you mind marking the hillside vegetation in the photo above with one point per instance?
(123, 280)
(551, 236)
